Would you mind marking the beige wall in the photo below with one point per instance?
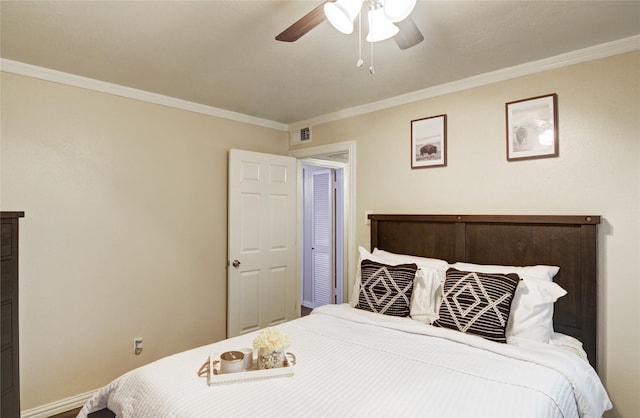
(597, 173)
(125, 227)
(124, 232)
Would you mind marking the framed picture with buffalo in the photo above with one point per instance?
(429, 142)
(532, 128)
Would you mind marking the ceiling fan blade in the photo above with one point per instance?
(304, 24)
(409, 34)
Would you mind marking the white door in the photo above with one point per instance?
(322, 260)
(261, 281)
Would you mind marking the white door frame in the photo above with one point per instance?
(349, 173)
(333, 166)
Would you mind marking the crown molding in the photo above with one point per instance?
(605, 50)
(33, 71)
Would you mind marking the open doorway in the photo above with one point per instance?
(339, 160)
(322, 232)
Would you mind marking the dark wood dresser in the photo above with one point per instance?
(9, 355)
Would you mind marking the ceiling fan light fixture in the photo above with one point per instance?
(380, 28)
(398, 10)
(342, 13)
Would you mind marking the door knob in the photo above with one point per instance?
(235, 263)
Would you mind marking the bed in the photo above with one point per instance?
(355, 361)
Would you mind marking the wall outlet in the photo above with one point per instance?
(137, 345)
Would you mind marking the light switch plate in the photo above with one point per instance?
(367, 221)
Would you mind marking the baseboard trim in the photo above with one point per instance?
(57, 407)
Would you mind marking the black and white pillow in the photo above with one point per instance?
(477, 303)
(386, 289)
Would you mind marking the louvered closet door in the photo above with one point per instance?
(322, 264)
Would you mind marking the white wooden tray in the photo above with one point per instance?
(211, 369)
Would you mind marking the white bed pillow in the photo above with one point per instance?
(532, 311)
(363, 254)
(434, 263)
(430, 275)
(540, 272)
(531, 314)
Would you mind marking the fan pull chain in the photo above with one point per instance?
(372, 70)
(360, 61)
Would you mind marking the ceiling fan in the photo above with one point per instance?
(387, 18)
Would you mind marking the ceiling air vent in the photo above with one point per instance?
(301, 135)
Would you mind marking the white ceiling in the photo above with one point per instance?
(223, 53)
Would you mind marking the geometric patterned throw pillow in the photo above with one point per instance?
(386, 289)
(477, 303)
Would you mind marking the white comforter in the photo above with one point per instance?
(354, 363)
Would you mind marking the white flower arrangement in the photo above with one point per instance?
(271, 339)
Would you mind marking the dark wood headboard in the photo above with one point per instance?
(517, 240)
